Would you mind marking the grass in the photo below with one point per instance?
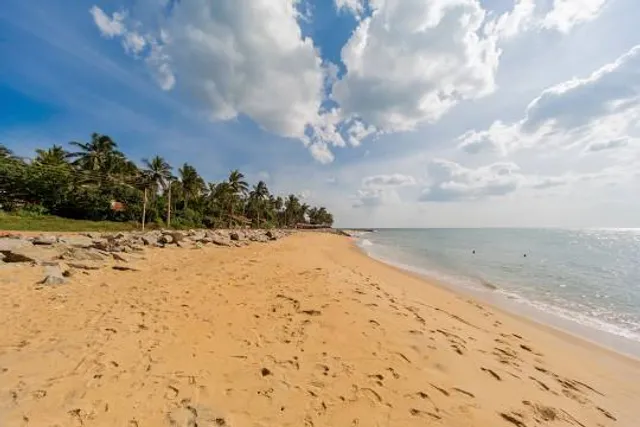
(13, 222)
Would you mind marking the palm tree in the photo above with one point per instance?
(192, 183)
(97, 154)
(5, 153)
(159, 172)
(219, 199)
(302, 211)
(291, 207)
(238, 187)
(257, 198)
(237, 183)
(54, 156)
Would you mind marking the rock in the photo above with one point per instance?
(119, 257)
(271, 234)
(235, 236)
(177, 236)
(150, 239)
(45, 240)
(102, 244)
(185, 244)
(197, 236)
(53, 276)
(9, 244)
(166, 239)
(220, 241)
(83, 242)
(124, 268)
(81, 266)
(27, 254)
(77, 254)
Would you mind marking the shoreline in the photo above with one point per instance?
(551, 325)
(305, 330)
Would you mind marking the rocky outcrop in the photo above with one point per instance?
(90, 251)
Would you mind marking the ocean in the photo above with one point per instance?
(584, 281)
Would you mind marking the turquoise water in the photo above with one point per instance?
(587, 278)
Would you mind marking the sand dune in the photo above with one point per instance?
(305, 331)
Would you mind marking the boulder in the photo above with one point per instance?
(220, 241)
(78, 254)
(197, 236)
(271, 234)
(77, 241)
(45, 240)
(27, 254)
(119, 257)
(53, 275)
(10, 243)
(177, 236)
(150, 239)
(102, 244)
(166, 239)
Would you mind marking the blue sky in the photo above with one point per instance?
(391, 113)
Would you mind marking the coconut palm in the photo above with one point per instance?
(192, 184)
(5, 153)
(257, 198)
(291, 207)
(54, 156)
(98, 155)
(239, 189)
(158, 171)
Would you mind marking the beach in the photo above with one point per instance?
(303, 331)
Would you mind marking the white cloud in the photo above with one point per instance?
(320, 151)
(378, 190)
(599, 111)
(408, 63)
(394, 180)
(565, 14)
(133, 42)
(453, 182)
(109, 26)
(357, 131)
(511, 23)
(411, 62)
(607, 145)
(353, 6)
(248, 57)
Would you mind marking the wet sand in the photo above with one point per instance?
(305, 331)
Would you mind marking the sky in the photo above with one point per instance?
(391, 113)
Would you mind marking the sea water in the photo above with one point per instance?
(586, 281)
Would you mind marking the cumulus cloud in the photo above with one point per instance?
(513, 22)
(599, 111)
(453, 182)
(607, 145)
(407, 63)
(378, 190)
(565, 14)
(394, 180)
(353, 6)
(411, 62)
(109, 26)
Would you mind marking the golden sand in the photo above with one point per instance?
(306, 331)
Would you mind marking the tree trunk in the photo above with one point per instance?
(144, 208)
(169, 207)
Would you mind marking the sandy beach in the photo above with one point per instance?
(304, 331)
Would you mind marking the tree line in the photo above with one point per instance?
(96, 181)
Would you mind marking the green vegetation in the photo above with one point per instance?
(100, 188)
(18, 221)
